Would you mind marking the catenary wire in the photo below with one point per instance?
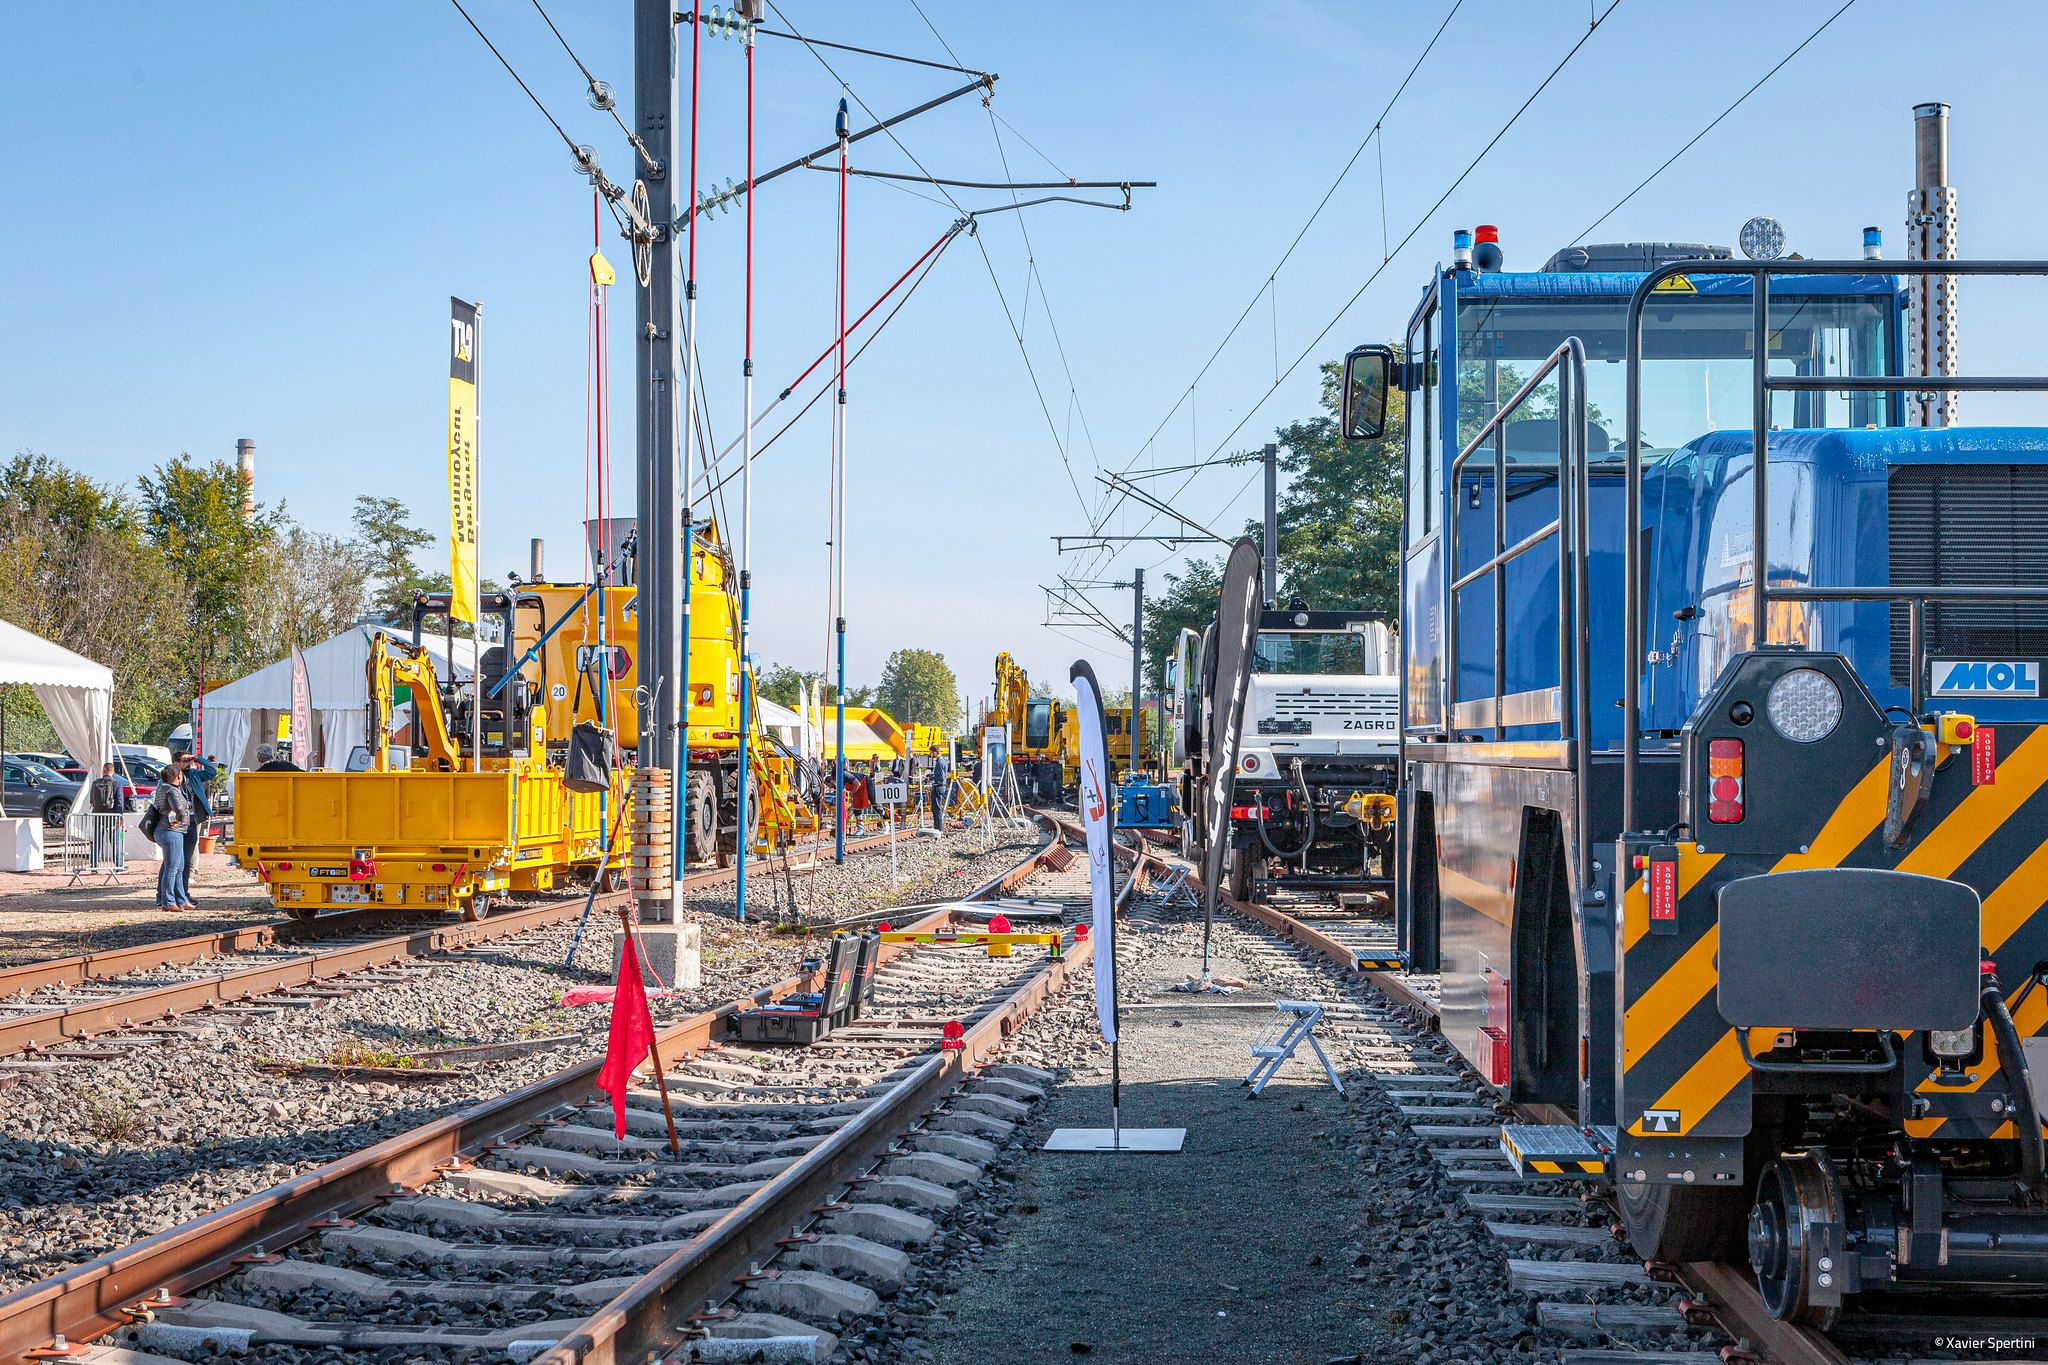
(1008, 315)
(1711, 126)
(1322, 204)
(632, 137)
(1420, 223)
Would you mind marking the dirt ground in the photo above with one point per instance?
(42, 917)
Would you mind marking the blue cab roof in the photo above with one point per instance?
(1875, 447)
(1567, 283)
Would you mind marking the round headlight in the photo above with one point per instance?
(1804, 705)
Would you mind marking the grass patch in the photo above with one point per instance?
(111, 1115)
(366, 1056)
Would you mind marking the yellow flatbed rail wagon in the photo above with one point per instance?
(433, 823)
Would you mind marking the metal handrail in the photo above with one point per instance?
(1763, 385)
(1568, 526)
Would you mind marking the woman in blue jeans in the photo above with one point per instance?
(173, 815)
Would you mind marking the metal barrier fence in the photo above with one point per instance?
(93, 847)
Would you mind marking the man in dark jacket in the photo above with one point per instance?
(105, 792)
(938, 792)
(268, 761)
(198, 773)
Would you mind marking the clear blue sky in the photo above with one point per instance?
(246, 219)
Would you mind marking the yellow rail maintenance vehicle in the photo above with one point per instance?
(1039, 729)
(472, 804)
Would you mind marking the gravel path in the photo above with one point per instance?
(99, 1155)
(1303, 1226)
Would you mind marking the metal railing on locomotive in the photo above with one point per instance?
(1763, 384)
(1567, 703)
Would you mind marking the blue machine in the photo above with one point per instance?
(1144, 804)
(1615, 738)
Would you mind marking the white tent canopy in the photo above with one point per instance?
(243, 714)
(77, 694)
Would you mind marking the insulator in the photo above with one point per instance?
(601, 96)
(586, 161)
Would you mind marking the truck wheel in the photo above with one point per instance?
(700, 818)
(753, 834)
(1677, 1224)
(1241, 874)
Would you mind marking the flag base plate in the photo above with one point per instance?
(1116, 1140)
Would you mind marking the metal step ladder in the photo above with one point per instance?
(1556, 1148)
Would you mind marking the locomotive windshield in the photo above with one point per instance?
(1696, 364)
(1309, 651)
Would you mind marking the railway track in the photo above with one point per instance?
(1442, 1104)
(99, 1005)
(523, 1228)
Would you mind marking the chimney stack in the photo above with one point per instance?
(245, 460)
(1931, 299)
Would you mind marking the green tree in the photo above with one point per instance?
(918, 685)
(1340, 513)
(785, 685)
(76, 569)
(193, 513)
(384, 529)
(1189, 602)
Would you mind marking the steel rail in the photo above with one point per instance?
(86, 1019)
(104, 1294)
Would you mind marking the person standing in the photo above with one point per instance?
(938, 792)
(106, 796)
(173, 817)
(198, 773)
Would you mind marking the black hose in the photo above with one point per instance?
(2012, 1060)
(1308, 807)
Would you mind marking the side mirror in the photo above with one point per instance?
(1366, 373)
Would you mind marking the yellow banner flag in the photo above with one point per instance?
(462, 470)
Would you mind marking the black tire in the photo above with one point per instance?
(1240, 877)
(700, 817)
(55, 810)
(1677, 1223)
(753, 833)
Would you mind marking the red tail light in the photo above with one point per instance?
(955, 1032)
(1724, 781)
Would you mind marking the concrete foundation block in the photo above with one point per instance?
(1017, 1071)
(995, 1106)
(21, 845)
(885, 1223)
(769, 1337)
(969, 1122)
(910, 1192)
(986, 1084)
(812, 1295)
(954, 1145)
(674, 953)
(939, 1170)
(833, 1253)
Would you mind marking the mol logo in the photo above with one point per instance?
(1987, 678)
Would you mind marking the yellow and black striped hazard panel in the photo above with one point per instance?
(1682, 1068)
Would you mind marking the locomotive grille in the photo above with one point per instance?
(1334, 704)
(1970, 525)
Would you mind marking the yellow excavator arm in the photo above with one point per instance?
(394, 662)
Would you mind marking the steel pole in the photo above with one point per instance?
(656, 495)
(747, 519)
(1270, 457)
(1137, 763)
(839, 498)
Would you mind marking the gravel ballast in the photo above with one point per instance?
(100, 1154)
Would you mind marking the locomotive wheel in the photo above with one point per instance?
(1797, 1194)
(700, 818)
(1678, 1223)
(473, 908)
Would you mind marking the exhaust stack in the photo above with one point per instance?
(245, 460)
(533, 569)
(1931, 299)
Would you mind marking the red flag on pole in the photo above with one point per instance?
(632, 1034)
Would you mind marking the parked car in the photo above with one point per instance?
(32, 789)
(60, 761)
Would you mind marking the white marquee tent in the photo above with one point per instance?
(243, 714)
(77, 694)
